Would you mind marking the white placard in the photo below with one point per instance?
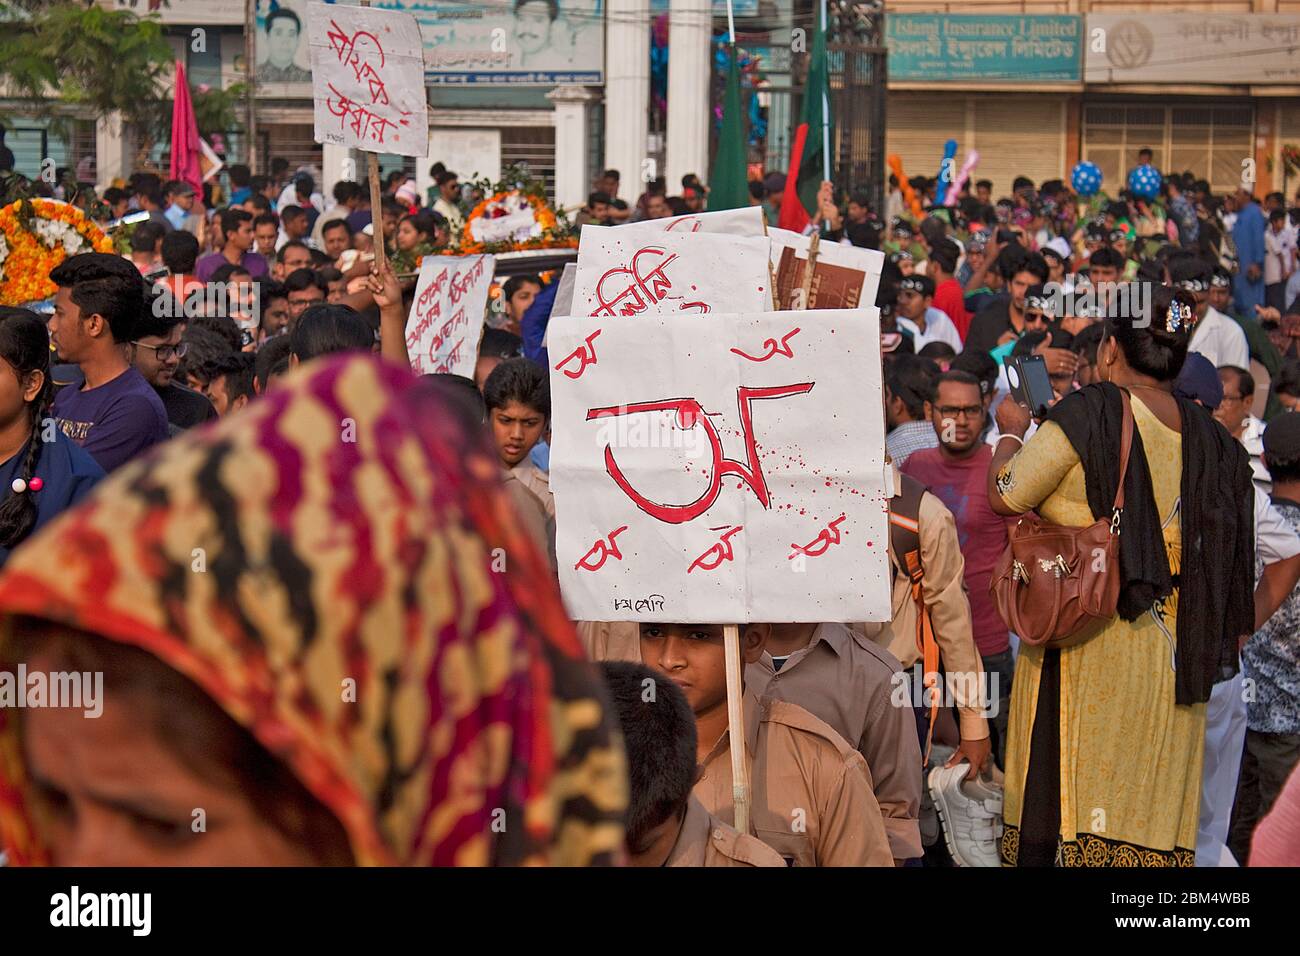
(631, 273)
(368, 79)
(446, 320)
(747, 221)
(845, 276)
(720, 471)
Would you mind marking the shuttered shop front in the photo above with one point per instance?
(1015, 134)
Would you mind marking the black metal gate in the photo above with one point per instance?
(858, 77)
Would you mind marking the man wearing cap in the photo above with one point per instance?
(1057, 254)
(976, 247)
(182, 202)
(903, 259)
(917, 315)
(1216, 336)
(1270, 659)
(774, 184)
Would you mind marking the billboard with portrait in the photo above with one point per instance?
(515, 42)
(504, 42)
(283, 64)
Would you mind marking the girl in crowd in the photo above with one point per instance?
(42, 471)
(423, 228)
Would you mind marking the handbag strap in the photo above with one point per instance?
(1125, 446)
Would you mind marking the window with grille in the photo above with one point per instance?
(1209, 140)
(532, 147)
(33, 141)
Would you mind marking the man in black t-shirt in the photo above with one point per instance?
(1003, 319)
(156, 353)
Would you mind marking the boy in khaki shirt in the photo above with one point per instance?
(666, 824)
(848, 681)
(810, 791)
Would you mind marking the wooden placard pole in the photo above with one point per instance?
(376, 204)
(736, 727)
(376, 212)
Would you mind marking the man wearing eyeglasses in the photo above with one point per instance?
(957, 473)
(156, 353)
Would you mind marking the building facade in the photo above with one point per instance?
(1211, 87)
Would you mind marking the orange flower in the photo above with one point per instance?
(28, 264)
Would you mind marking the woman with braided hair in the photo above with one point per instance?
(42, 471)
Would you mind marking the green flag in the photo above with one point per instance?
(816, 98)
(729, 182)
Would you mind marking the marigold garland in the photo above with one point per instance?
(552, 235)
(25, 267)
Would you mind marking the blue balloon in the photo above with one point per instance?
(1144, 182)
(1085, 178)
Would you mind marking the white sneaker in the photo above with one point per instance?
(928, 818)
(971, 814)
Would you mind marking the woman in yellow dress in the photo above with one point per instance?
(1105, 737)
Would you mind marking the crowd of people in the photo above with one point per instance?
(348, 533)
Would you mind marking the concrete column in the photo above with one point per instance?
(111, 160)
(337, 164)
(627, 91)
(572, 117)
(689, 34)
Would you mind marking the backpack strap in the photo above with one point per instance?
(905, 536)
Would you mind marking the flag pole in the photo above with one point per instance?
(250, 81)
(826, 109)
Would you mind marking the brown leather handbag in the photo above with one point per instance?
(1057, 586)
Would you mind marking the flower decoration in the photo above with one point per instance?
(37, 235)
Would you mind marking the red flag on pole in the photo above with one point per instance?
(186, 149)
(793, 216)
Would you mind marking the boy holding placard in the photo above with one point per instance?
(811, 798)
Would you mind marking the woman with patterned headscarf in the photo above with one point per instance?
(322, 639)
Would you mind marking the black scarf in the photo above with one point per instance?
(1216, 512)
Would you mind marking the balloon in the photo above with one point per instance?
(909, 194)
(1144, 182)
(1085, 178)
(968, 167)
(945, 170)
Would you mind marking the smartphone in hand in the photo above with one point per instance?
(1030, 384)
